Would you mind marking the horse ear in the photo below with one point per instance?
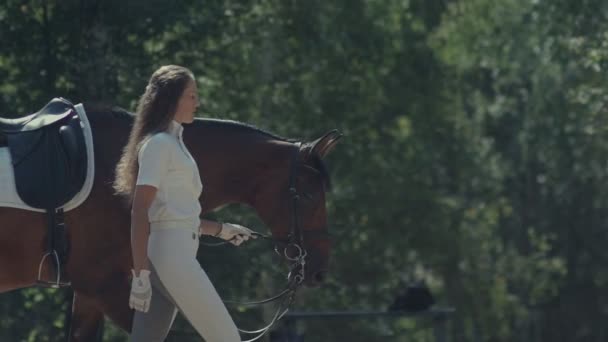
(326, 143)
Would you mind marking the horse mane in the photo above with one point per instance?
(109, 110)
(318, 163)
(242, 126)
(122, 113)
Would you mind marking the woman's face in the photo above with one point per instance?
(187, 104)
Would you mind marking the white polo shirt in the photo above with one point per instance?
(166, 164)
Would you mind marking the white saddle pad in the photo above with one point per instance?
(8, 190)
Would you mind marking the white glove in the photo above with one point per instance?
(141, 291)
(234, 233)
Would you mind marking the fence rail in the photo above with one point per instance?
(288, 332)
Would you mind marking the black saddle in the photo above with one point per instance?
(48, 153)
(49, 157)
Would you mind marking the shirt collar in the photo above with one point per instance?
(175, 128)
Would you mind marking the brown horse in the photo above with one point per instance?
(238, 164)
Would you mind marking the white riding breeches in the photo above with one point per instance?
(179, 283)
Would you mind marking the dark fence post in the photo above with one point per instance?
(440, 328)
(100, 330)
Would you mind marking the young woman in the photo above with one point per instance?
(160, 177)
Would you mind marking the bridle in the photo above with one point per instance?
(295, 238)
(293, 242)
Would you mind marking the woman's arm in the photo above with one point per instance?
(210, 227)
(140, 226)
(233, 233)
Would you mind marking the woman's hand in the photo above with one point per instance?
(234, 233)
(141, 291)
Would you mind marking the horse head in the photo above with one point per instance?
(284, 181)
(297, 216)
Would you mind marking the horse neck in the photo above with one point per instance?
(235, 163)
(110, 134)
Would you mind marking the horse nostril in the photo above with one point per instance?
(320, 276)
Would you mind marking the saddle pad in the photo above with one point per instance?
(8, 190)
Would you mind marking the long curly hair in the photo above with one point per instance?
(155, 110)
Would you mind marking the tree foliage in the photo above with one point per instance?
(473, 157)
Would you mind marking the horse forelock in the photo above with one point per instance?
(316, 162)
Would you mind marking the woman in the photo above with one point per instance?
(160, 177)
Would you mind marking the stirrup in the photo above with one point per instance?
(57, 283)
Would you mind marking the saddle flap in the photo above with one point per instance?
(41, 174)
(23, 144)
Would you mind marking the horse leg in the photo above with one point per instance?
(114, 302)
(87, 319)
(88, 310)
(99, 287)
